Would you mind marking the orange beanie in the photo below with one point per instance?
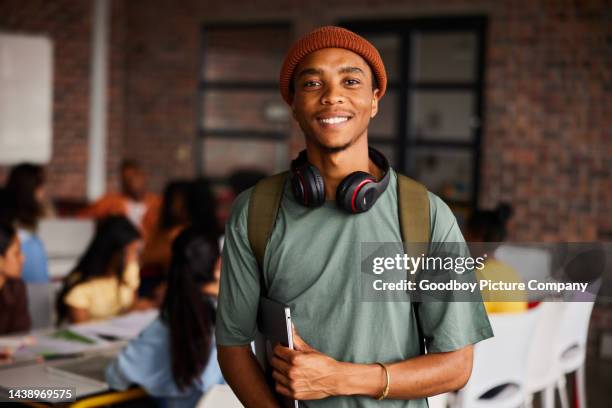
(331, 37)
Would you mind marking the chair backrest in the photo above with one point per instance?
(530, 263)
(501, 359)
(543, 363)
(40, 304)
(65, 239)
(220, 396)
(574, 327)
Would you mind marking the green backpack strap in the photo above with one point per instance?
(263, 207)
(413, 208)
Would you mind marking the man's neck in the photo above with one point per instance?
(334, 167)
(2, 281)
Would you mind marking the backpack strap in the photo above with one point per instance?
(263, 208)
(413, 207)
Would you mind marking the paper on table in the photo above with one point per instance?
(121, 328)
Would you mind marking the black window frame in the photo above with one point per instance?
(403, 139)
(204, 85)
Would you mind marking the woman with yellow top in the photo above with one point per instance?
(105, 280)
(490, 226)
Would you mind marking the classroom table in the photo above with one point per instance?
(105, 341)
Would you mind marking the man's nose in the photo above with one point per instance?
(332, 95)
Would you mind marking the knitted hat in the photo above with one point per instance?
(331, 37)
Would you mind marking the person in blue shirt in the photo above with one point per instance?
(174, 359)
(25, 189)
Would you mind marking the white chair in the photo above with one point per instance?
(572, 348)
(65, 240)
(543, 368)
(220, 396)
(501, 360)
(40, 304)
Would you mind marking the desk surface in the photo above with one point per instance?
(30, 371)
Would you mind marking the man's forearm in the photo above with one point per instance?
(243, 373)
(418, 377)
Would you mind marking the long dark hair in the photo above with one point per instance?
(490, 225)
(186, 311)
(104, 253)
(7, 235)
(167, 217)
(202, 207)
(23, 180)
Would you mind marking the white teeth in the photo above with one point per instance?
(334, 120)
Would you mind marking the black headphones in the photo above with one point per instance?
(356, 193)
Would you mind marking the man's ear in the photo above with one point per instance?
(375, 102)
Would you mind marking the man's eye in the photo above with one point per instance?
(310, 84)
(352, 82)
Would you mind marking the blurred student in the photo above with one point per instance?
(14, 316)
(490, 226)
(105, 280)
(24, 207)
(173, 217)
(202, 207)
(133, 201)
(175, 357)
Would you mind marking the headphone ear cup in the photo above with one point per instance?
(315, 185)
(349, 190)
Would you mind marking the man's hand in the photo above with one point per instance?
(304, 373)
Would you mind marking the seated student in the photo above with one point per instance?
(25, 204)
(490, 226)
(105, 280)
(133, 201)
(14, 316)
(156, 254)
(175, 357)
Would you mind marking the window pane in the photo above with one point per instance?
(442, 116)
(224, 156)
(245, 54)
(444, 57)
(446, 172)
(245, 110)
(388, 45)
(384, 124)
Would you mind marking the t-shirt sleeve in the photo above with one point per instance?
(78, 297)
(239, 289)
(450, 325)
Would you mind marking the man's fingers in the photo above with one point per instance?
(280, 378)
(282, 390)
(280, 365)
(298, 341)
(284, 353)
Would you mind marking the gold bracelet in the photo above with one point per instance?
(386, 390)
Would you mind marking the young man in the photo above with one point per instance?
(349, 353)
(133, 201)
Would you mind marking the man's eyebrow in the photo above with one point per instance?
(309, 71)
(351, 70)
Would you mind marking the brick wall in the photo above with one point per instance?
(68, 24)
(546, 146)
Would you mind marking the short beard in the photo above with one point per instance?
(336, 149)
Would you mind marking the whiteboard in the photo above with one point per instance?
(26, 92)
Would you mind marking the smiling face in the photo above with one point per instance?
(334, 98)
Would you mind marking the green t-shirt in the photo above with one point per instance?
(312, 264)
